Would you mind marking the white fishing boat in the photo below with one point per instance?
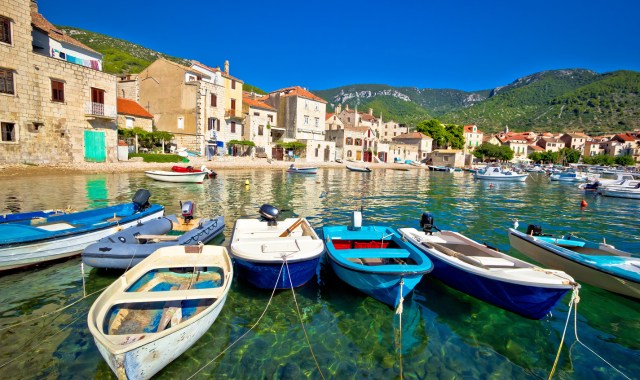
(621, 192)
(496, 173)
(159, 308)
(178, 177)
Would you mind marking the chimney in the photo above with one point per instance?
(226, 66)
(34, 6)
(371, 111)
(338, 108)
(347, 107)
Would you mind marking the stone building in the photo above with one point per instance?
(391, 129)
(133, 115)
(300, 113)
(56, 105)
(550, 144)
(259, 124)
(575, 141)
(472, 138)
(423, 143)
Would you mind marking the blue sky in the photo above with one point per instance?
(466, 45)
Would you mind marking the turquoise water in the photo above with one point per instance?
(445, 334)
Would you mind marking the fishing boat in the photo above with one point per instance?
(617, 192)
(308, 170)
(621, 179)
(495, 173)
(437, 168)
(56, 236)
(487, 274)
(598, 264)
(176, 177)
(568, 176)
(275, 254)
(359, 169)
(128, 247)
(158, 309)
(191, 169)
(375, 260)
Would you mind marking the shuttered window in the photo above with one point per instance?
(214, 100)
(57, 91)
(5, 30)
(6, 81)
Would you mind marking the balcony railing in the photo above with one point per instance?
(100, 110)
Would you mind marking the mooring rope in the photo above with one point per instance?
(301, 321)
(575, 299)
(399, 311)
(273, 292)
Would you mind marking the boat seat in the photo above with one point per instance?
(157, 237)
(175, 295)
(490, 262)
(375, 253)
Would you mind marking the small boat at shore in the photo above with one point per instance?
(128, 247)
(598, 264)
(358, 169)
(56, 236)
(489, 275)
(446, 169)
(176, 177)
(496, 173)
(191, 169)
(375, 260)
(158, 309)
(308, 170)
(261, 247)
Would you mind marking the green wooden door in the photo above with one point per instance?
(95, 148)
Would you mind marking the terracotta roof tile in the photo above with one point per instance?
(412, 135)
(54, 33)
(256, 103)
(625, 137)
(131, 107)
(301, 92)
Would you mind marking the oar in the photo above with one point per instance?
(288, 231)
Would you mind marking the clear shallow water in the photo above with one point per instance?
(445, 333)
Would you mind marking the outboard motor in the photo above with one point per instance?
(426, 222)
(356, 221)
(188, 209)
(141, 199)
(269, 213)
(534, 230)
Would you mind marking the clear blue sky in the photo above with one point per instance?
(466, 45)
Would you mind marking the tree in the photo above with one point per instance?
(434, 129)
(570, 155)
(625, 160)
(456, 135)
(498, 152)
(599, 159)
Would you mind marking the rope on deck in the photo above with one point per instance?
(575, 299)
(301, 322)
(273, 292)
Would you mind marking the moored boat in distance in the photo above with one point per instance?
(598, 264)
(128, 247)
(447, 169)
(489, 275)
(375, 260)
(359, 169)
(191, 169)
(275, 254)
(495, 173)
(158, 309)
(308, 170)
(176, 177)
(56, 236)
(568, 176)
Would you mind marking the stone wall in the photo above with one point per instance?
(129, 89)
(138, 122)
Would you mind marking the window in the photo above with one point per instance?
(218, 125)
(317, 122)
(129, 122)
(260, 130)
(233, 84)
(233, 127)
(214, 100)
(57, 91)
(256, 114)
(270, 118)
(8, 132)
(306, 120)
(233, 104)
(349, 141)
(6, 81)
(97, 101)
(5, 30)
(211, 123)
(180, 122)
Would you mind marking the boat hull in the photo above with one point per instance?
(274, 275)
(580, 272)
(505, 178)
(37, 252)
(621, 193)
(382, 287)
(176, 177)
(147, 360)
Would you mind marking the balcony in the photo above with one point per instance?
(100, 111)
(233, 114)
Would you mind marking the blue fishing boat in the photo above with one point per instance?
(126, 248)
(30, 241)
(275, 254)
(375, 260)
(489, 275)
(598, 264)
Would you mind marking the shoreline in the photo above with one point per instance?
(217, 164)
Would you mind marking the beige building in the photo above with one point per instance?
(518, 142)
(300, 113)
(472, 138)
(56, 105)
(550, 144)
(133, 115)
(575, 141)
(423, 143)
(401, 152)
(354, 143)
(259, 124)
(453, 158)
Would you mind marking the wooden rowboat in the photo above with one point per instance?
(160, 308)
(166, 176)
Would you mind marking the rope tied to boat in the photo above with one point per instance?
(295, 301)
(399, 311)
(575, 299)
(273, 292)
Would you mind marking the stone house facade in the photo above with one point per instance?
(423, 143)
(300, 113)
(575, 141)
(391, 129)
(447, 157)
(133, 115)
(258, 122)
(472, 138)
(56, 105)
(400, 152)
(550, 144)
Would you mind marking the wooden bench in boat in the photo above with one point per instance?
(175, 295)
(374, 253)
(157, 237)
(484, 261)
